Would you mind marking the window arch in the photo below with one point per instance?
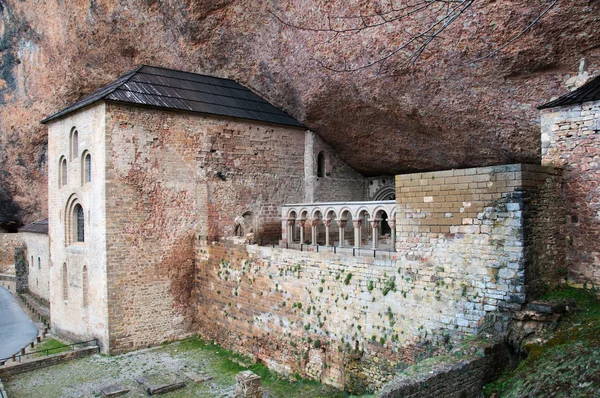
(79, 223)
(62, 172)
(74, 144)
(74, 222)
(84, 283)
(321, 164)
(86, 168)
(65, 282)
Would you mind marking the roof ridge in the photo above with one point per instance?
(193, 73)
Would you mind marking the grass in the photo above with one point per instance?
(53, 347)
(568, 363)
(274, 384)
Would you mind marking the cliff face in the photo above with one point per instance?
(443, 112)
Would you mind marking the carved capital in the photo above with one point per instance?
(327, 222)
(357, 223)
(342, 223)
(302, 223)
(291, 222)
(315, 222)
(391, 223)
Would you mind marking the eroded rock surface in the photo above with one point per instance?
(443, 113)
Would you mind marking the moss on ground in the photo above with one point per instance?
(568, 363)
(84, 377)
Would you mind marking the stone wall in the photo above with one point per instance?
(174, 178)
(469, 242)
(571, 141)
(339, 182)
(38, 258)
(77, 302)
(13, 369)
(8, 242)
(347, 321)
(506, 220)
(459, 379)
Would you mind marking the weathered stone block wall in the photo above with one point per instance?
(461, 379)
(501, 220)
(8, 242)
(571, 141)
(347, 321)
(38, 258)
(340, 183)
(174, 178)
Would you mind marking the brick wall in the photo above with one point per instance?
(571, 141)
(174, 178)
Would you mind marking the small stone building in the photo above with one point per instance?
(571, 141)
(148, 165)
(37, 254)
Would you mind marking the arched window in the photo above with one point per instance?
(79, 223)
(84, 282)
(62, 172)
(86, 168)
(74, 144)
(65, 281)
(321, 165)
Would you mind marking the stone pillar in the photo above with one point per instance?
(290, 230)
(248, 385)
(341, 225)
(375, 233)
(314, 223)
(21, 269)
(301, 223)
(392, 224)
(327, 223)
(357, 236)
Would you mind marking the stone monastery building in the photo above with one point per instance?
(185, 204)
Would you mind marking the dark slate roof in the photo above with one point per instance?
(172, 89)
(38, 227)
(588, 92)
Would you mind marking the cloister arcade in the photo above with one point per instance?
(341, 224)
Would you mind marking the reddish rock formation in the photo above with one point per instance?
(444, 112)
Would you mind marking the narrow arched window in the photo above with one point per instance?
(31, 263)
(74, 144)
(62, 172)
(87, 176)
(84, 282)
(80, 224)
(86, 168)
(39, 263)
(321, 165)
(65, 281)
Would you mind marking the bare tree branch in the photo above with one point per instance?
(517, 37)
(443, 13)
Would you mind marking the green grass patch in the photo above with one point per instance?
(568, 363)
(53, 347)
